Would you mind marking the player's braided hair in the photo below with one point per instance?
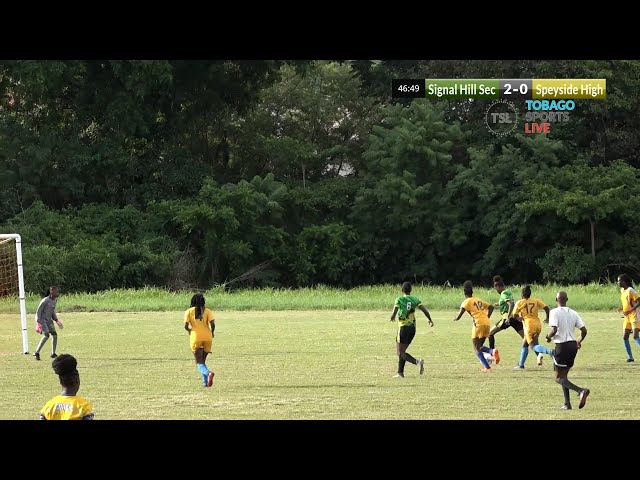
(497, 279)
(65, 366)
(468, 287)
(626, 279)
(526, 291)
(198, 301)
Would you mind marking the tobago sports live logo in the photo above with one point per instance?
(501, 117)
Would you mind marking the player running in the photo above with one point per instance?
(200, 324)
(405, 308)
(630, 303)
(506, 305)
(527, 310)
(480, 312)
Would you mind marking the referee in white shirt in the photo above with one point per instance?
(563, 322)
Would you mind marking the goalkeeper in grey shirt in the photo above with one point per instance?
(45, 316)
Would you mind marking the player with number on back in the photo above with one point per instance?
(506, 305)
(630, 303)
(405, 307)
(527, 311)
(480, 312)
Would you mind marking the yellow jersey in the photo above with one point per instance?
(527, 308)
(200, 328)
(628, 296)
(67, 407)
(477, 308)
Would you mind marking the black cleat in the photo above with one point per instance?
(37, 355)
(53, 355)
(630, 360)
(583, 397)
(566, 407)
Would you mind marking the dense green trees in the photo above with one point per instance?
(192, 173)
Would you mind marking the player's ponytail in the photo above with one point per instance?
(198, 302)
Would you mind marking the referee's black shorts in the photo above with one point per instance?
(565, 354)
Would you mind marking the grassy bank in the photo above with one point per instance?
(595, 297)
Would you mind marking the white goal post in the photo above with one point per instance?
(10, 272)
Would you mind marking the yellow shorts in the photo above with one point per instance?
(205, 344)
(480, 331)
(531, 331)
(629, 325)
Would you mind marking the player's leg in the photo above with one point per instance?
(499, 326)
(565, 355)
(54, 338)
(561, 375)
(478, 336)
(625, 340)
(43, 340)
(206, 350)
(535, 338)
(518, 327)
(636, 332)
(401, 361)
(524, 352)
(406, 337)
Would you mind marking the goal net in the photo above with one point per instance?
(12, 279)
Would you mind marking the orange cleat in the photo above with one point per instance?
(496, 356)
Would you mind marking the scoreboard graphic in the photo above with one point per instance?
(505, 89)
(524, 105)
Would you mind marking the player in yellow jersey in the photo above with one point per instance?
(630, 303)
(480, 312)
(526, 310)
(68, 405)
(200, 324)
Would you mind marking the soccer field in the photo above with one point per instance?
(309, 365)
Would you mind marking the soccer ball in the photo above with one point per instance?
(488, 357)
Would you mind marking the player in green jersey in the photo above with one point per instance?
(506, 305)
(405, 309)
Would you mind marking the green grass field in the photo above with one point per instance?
(309, 365)
(601, 297)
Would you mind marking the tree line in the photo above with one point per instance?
(295, 173)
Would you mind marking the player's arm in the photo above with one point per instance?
(394, 313)
(460, 313)
(583, 331)
(212, 324)
(546, 311)
(552, 333)
(40, 310)
(635, 303)
(426, 312)
(511, 304)
(187, 325)
(490, 310)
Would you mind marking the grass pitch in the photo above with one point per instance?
(309, 365)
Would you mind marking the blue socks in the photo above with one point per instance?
(637, 341)
(542, 349)
(627, 347)
(487, 349)
(483, 360)
(202, 368)
(523, 355)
